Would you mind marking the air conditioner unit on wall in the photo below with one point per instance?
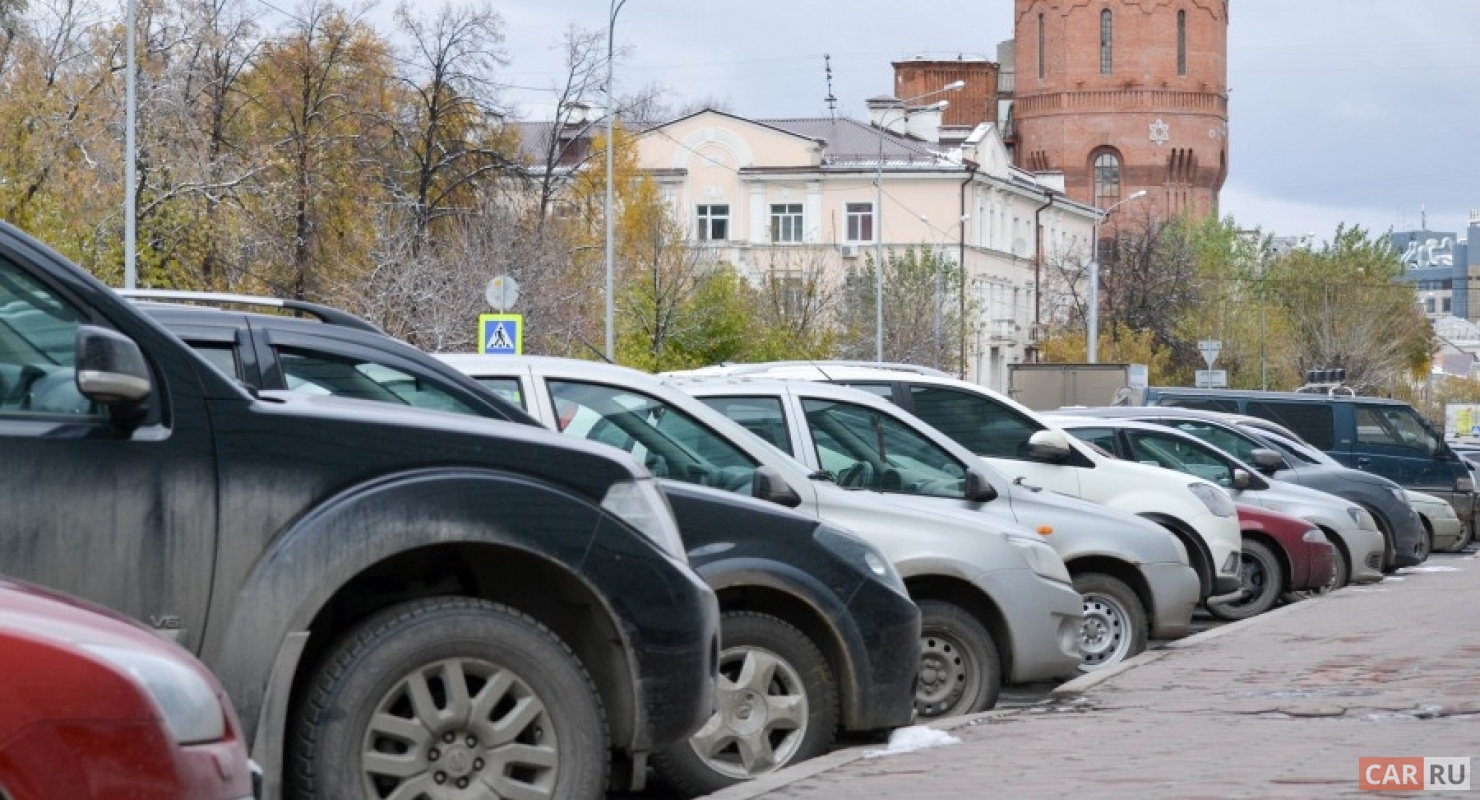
(849, 250)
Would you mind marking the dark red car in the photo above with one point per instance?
(96, 707)
(1281, 554)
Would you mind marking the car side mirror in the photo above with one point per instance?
(111, 370)
(1048, 445)
(978, 488)
(1242, 479)
(1268, 461)
(768, 485)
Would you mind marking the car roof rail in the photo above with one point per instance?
(766, 366)
(301, 308)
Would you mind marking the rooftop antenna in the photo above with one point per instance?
(832, 102)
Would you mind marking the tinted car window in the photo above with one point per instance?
(322, 373)
(761, 416)
(1240, 447)
(1103, 438)
(984, 427)
(878, 389)
(670, 442)
(1312, 422)
(1394, 426)
(222, 357)
(38, 333)
(1200, 403)
(867, 449)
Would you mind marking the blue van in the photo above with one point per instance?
(1382, 436)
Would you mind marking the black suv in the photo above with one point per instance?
(394, 600)
(818, 632)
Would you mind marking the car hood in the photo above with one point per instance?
(40, 614)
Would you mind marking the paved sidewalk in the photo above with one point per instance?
(1281, 705)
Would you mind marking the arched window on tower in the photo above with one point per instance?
(1107, 178)
(1182, 43)
(1105, 51)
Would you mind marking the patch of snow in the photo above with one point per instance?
(1406, 570)
(912, 738)
(1393, 578)
(1365, 590)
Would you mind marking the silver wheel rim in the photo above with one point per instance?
(1105, 635)
(460, 728)
(760, 718)
(945, 675)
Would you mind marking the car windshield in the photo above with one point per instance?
(1298, 451)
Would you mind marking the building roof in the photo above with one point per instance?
(851, 143)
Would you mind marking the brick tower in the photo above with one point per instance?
(1125, 95)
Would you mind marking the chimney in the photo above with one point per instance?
(887, 112)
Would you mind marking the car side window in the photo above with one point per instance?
(882, 390)
(1233, 444)
(507, 388)
(342, 376)
(669, 441)
(222, 357)
(868, 449)
(982, 426)
(1103, 438)
(1177, 454)
(762, 416)
(38, 341)
(1396, 427)
(1313, 422)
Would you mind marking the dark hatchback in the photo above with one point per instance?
(778, 575)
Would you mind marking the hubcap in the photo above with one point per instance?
(455, 724)
(761, 715)
(1104, 636)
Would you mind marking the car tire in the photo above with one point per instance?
(1263, 582)
(1115, 626)
(433, 695)
(1425, 543)
(960, 671)
(1467, 534)
(765, 665)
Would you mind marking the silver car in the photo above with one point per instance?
(1358, 540)
(996, 603)
(1133, 574)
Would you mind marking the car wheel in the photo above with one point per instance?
(1114, 627)
(960, 672)
(1263, 582)
(1425, 544)
(434, 696)
(1467, 534)
(776, 705)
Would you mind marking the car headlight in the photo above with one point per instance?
(858, 552)
(1042, 559)
(640, 504)
(1217, 500)
(189, 705)
(1363, 519)
(1313, 535)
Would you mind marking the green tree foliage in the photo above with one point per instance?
(1347, 308)
(922, 319)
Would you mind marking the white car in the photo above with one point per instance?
(1021, 444)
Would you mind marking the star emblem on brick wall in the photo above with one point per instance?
(1160, 132)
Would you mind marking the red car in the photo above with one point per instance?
(1281, 554)
(96, 707)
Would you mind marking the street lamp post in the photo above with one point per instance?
(1092, 316)
(611, 338)
(879, 212)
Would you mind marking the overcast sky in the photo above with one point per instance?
(1361, 112)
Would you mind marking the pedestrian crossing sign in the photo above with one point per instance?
(501, 334)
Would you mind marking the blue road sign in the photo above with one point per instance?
(501, 334)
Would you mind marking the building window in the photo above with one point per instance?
(1182, 43)
(860, 219)
(1040, 47)
(714, 223)
(1107, 179)
(1105, 29)
(786, 222)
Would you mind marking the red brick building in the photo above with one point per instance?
(1124, 95)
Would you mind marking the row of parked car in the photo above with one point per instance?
(461, 582)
